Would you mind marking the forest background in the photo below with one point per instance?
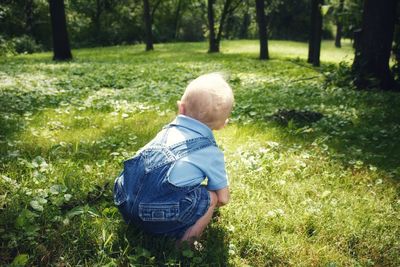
(25, 24)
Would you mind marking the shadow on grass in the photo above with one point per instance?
(370, 140)
(144, 249)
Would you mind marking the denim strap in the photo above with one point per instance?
(165, 135)
(183, 148)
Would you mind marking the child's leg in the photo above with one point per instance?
(197, 229)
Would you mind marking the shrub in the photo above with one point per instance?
(6, 47)
(26, 44)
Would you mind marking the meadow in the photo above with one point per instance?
(314, 165)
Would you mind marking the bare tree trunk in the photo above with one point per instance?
(338, 36)
(262, 29)
(313, 16)
(244, 27)
(314, 43)
(176, 20)
(228, 27)
(96, 21)
(371, 61)
(213, 45)
(148, 25)
(339, 26)
(61, 46)
(222, 20)
(29, 17)
(215, 40)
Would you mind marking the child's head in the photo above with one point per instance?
(208, 99)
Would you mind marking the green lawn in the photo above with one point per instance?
(304, 193)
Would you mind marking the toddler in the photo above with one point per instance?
(161, 188)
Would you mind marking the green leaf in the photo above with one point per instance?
(75, 212)
(25, 218)
(188, 253)
(325, 9)
(20, 260)
(57, 189)
(142, 252)
(36, 205)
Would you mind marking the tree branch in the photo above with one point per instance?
(222, 20)
(154, 9)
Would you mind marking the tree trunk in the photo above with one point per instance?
(222, 20)
(29, 17)
(244, 27)
(339, 26)
(96, 21)
(371, 61)
(338, 36)
(314, 43)
(215, 40)
(262, 29)
(213, 44)
(148, 26)
(313, 16)
(61, 46)
(176, 19)
(229, 25)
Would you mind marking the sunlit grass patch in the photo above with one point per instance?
(287, 49)
(298, 196)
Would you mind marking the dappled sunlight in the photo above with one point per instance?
(28, 82)
(87, 131)
(295, 186)
(303, 191)
(290, 49)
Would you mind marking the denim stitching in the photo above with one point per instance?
(170, 157)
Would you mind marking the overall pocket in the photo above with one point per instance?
(119, 191)
(159, 212)
(187, 207)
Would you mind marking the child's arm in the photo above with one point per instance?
(223, 196)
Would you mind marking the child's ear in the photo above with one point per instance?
(181, 107)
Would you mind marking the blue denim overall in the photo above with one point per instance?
(146, 198)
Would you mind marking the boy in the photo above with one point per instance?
(160, 188)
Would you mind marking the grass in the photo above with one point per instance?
(303, 194)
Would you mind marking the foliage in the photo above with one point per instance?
(6, 47)
(18, 45)
(25, 44)
(351, 16)
(104, 22)
(315, 193)
(341, 76)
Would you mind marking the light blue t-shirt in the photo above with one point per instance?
(206, 162)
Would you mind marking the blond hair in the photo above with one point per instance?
(209, 99)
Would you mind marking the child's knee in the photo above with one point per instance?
(213, 199)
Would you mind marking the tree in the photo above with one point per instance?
(148, 25)
(148, 15)
(374, 44)
(314, 42)
(213, 46)
(61, 46)
(339, 24)
(262, 29)
(178, 11)
(29, 17)
(215, 38)
(246, 20)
